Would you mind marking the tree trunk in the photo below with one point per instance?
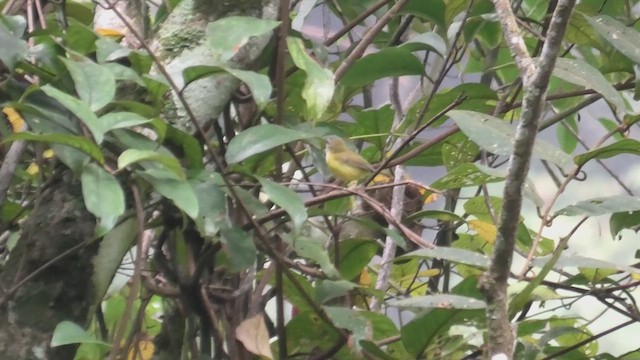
(63, 290)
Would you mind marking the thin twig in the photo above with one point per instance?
(359, 50)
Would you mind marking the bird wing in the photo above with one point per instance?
(357, 162)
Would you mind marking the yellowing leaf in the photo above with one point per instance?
(32, 169)
(381, 179)
(112, 33)
(635, 276)
(253, 334)
(365, 279)
(421, 274)
(144, 351)
(431, 198)
(486, 231)
(48, 154)
(15, 119)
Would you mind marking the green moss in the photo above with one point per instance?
(169, 110)
(181, 40)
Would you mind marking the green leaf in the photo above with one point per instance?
(77, 142)
(568, 141)
(331, 289)
(581, 73)
(602, 206)
(131, 156)
(116, 120)
(496, 136)
(259, 84)
(287, 199)
(582, 262)
(624, 146)
(102, 195)
(191, 148)
(625, 39)
(240, 246)
(95, 84)
(261, 138)
(313, 249)
(463, 176)
(76, 106)
(624, 220)
(373, 121)
(10, 211)
(445, 301)
(432, 10)
(67, 333)
(355, 254)
(180, 192)
(610, 125)
(540, 293)
(422, 331)
(227, 35)
(14, 49)
(430, 41)
(112, 249)
(319, 86)
(349, 319)
(434, 214)
(387, 62)
(212, 209)
(451, 254)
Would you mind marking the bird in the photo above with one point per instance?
(345, 164)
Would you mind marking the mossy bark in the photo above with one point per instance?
(63, 291)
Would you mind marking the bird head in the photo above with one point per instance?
(336, 145)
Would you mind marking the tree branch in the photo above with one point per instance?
(535, 80)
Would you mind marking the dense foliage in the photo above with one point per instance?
(223, 235)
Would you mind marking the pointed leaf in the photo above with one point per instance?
(261, 138)
(67, 333)
(131, 156)
(423, 331)
(444, 301)
(602, 206)
(581, 73)
(625, 39)
(624, 220)
(287, 199)
(259, 84)
(434, 214)
(95, 84)
(76, 106)
(212, 210)
(102, 195)
(463, 176)
(227, 35)
(331, 289)
(240, 247)
(14, 49)
(313, 249)
(496, 136)
(387, 62)
(349, 319)
(624, 146)
(116, 120)
(112, 249)
(180, 192)
(485, 230)
(254, 335)
(583, 262)
(451, 254)
(319, 86)
(77, 142)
